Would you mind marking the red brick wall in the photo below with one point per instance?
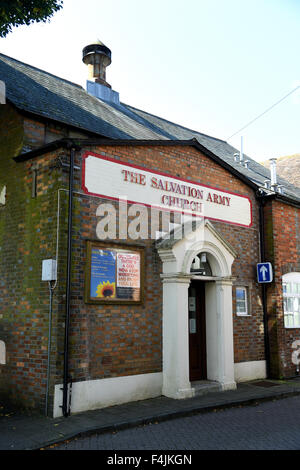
(27, 236)
(141, 337)
(105, 341)
(37, 133)
(283, 249)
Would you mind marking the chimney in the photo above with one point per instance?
(242, 151)
(97, 57)
(273, 173)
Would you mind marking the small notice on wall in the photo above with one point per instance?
(113, 274)
(128, 274)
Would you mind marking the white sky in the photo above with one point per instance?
(210, 65)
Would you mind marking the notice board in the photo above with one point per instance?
(114, 273)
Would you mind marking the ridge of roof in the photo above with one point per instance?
(42, 71)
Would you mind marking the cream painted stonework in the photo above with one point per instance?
(177, 256)
(96, 394)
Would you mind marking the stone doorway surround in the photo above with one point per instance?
(177, 250)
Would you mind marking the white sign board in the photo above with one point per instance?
(128, 270)
(108, 178)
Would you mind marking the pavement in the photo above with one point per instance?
(30, 431)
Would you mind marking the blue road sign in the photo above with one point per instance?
(264, 272)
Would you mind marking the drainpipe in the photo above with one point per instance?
(51, 289)
(66, 379)
(261, 200)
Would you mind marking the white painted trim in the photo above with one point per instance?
(96, 394)
(228, 386)
(246, 371)
(291, 277)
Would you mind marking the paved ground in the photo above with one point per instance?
(273, 425)
(24, 431)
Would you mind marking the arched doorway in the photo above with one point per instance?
(216, 359)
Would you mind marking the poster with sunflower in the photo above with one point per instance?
(113, 274)
(103, 274)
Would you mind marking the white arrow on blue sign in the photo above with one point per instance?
(264, 272)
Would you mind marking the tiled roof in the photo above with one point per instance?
(41, 93)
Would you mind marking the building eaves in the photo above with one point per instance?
(79, 143)
(43, 150)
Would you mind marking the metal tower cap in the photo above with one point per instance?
(96, 48)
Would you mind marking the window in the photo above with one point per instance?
(241, 301)
(291, 300)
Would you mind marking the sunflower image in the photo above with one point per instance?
(106, 289)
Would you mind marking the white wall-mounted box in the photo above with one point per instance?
(49, 270)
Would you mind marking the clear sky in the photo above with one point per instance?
(210, 65)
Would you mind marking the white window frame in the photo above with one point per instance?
(246, 313)
(291, 279)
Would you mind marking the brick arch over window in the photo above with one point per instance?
(290, 268)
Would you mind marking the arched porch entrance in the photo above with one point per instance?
(177, 254)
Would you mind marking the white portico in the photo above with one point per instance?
(177, 252)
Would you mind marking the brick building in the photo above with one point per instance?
(154, 232)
